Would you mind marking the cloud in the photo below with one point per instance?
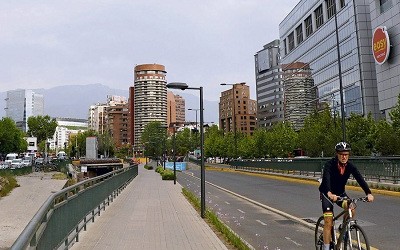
(46, 43)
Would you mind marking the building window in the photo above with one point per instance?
(284, 46)
(385, 5)
(330, 8)
(291, 41)
(299, 34)
(308, 24)
(319, 16)
(342, 3)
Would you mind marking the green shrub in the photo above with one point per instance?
(148, 167)
(159, 169)
(167, 174)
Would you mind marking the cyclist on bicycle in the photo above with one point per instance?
(335, 175)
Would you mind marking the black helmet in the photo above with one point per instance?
(343, 147)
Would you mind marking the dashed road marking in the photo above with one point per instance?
(262, 223)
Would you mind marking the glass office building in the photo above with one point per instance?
(386, 13)
(308, 36)
(269, 85)
(22, 104)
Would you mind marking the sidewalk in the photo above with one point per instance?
(149, 214)
(18, 208)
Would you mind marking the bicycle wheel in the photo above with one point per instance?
(319, 238)
(357, 239)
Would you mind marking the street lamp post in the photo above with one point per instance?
(183, 86)
(195, 124)
(196, 115)
(340, 78)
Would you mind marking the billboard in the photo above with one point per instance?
(263, 60)
(380, 45)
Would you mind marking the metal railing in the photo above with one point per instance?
(379, 169)
(60, 219)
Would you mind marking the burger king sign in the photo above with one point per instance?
(380, 45)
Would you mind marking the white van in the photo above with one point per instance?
(61, 155)
(10, 157)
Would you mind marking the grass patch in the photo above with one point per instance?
(217, 224)
(7, 184)
(59, 176)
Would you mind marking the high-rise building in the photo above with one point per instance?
(22, 104)
(180, 109)
(384, 15)
(97, 117)
(299, 93)
(149, 99)
(269, 85)
(237, 112)
(117, 123)
(112, 118)
(308, 35)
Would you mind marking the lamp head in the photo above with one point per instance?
(177, 85)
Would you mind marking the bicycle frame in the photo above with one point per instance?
(345, 226)
(350, 233)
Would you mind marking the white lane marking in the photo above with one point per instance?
(243, 212)
(227, 203)
(262, 223)
(289, 239)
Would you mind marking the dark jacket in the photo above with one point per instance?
(333, 181)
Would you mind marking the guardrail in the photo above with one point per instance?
(60, 219)
(380, 169)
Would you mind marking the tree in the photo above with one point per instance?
(11, 138)
(213, 142)
(153, 139)
(395, 115)
(246, 147)
(41, 127)
(320, 134)
(282, 140)
(359, 134)
(106, 144)
(260, 143)
(183, 142)
(386, 140)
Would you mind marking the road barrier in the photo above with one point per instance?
(379, 169)
(60, 219)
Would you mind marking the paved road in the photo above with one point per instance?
(261, 228)
(18, 208)
(379, 219)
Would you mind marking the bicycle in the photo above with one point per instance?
(351, 235)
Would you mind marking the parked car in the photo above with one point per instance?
(16, 163)
(27, 163)
(3, 165)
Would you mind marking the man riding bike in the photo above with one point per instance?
(335, 175)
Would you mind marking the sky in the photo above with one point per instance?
(47, 43)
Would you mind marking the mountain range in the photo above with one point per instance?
(73, 101)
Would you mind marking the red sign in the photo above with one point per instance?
(380, 45)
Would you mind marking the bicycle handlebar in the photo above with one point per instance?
(352, 200)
